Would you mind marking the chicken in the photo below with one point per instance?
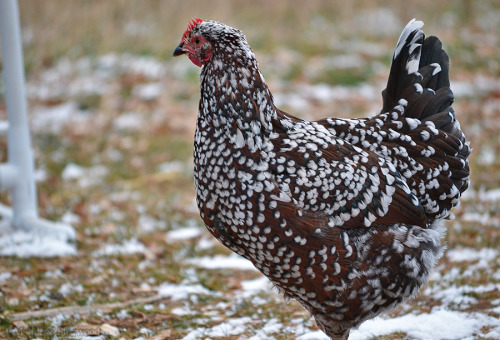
(344, 215)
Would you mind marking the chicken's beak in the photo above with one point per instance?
(179, 51)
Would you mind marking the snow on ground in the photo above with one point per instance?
(182, 291)
(85, 177)
(132, 246)
(253, 287)
(227, 328)
(436, 325)
(92, 75)
(45, 239)
(184, 233)
(26, 244)
(219, 261)
(450, 318)
(467, 254)
(439, 324)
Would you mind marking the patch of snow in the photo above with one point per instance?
(468, 254)
(190, 276)
(122, 314)
(300, 326)
(496, 310)
(194, 334)
(303, 94)
(72, 171)
(229, 327)
(476, 217)
(439, 324)
(252, 287)
(89, 76)
(70, 218)
(294, 100)
(455, 296)
(148, 224)
(463, 89)
(67, 288)
(149, 67)
(148, 92)
(40, 175)
(487, 155)
(174, 166)
(469, 194)
(86, 177)
(224, 329)
(132, 246)
(57, 320)
(257, 301)
(182, 291)
(114, 154)
(492, 195)
(495, 302)
(314, 335)
(57, 273)
(328, 93)
(183, 233)
(493, 333)
(219, 261)
(35, 244)
(182, 311)
(206, 243)
(146, 331)
(477, 86)
(4, 277)
(272, 326)
(53, 118)
(124, 196)
(129, 121)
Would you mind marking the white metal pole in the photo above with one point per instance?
(17, 175)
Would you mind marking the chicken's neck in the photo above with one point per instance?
(236, 103)
(233, 137)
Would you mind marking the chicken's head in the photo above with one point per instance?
(197, 47)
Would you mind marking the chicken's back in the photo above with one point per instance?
(417, 130)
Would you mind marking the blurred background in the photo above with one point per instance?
(112, 116)
(54, 29)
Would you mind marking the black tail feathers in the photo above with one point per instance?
(418, 64)
(419, 80)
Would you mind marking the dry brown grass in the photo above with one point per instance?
(53, 28)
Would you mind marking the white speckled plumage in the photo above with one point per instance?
(343, 215)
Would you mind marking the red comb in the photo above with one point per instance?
(192, 24)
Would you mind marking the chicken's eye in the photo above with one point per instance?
(196, 41)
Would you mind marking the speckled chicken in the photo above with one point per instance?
(344, 215)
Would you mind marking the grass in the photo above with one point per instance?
(154, 27)
(133, 199)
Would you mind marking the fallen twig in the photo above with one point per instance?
(72, 310)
